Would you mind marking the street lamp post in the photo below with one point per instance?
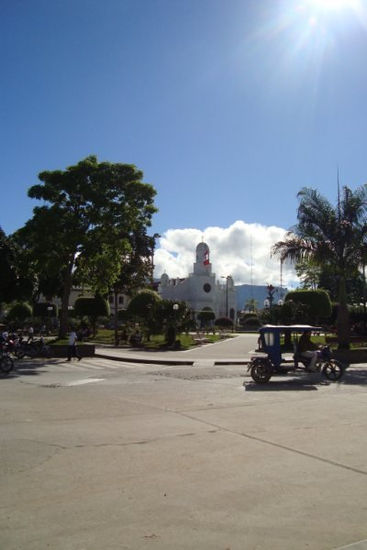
(49, 317)
(226, 278)
(171, 331)
(271, 289)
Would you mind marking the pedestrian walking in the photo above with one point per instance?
(30, 335)
(72, 347)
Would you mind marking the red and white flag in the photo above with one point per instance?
(206, 258)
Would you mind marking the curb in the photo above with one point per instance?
(143, 360)
(172, 362)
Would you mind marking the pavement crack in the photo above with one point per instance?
(279, 445)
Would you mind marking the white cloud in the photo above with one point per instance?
(241, 250)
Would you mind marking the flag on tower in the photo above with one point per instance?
(206, 257)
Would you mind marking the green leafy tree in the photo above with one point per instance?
(136, 268)
(44, 310)
(8, 278)
(82, 231)
(309, 273)
(143, 308)
(17, 280)
(324, 277)
(92, 308)
(174, 318)
(332, 236)
(19, 313)
(143, 303)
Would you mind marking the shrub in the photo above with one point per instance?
(19, 312)
(316, 301)
(41, 309)
(249, 320)
(206, 316)
(223, 322)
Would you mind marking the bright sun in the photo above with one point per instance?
(320, 13)
(331, 4)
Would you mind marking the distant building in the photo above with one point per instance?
(200, 290)
(82, 292)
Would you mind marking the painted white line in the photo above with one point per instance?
(104, 365)
(91, 367)
(85, 381)
(84, 366)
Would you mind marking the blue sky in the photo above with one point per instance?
(229, 107)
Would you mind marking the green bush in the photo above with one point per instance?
(205, 317)
(223, 322)
(19, 312)
(249, 320)
(317, 303)
(41, 310)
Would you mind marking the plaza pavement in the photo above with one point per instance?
(236, 351)
(132, 455)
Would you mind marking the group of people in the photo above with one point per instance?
(25, 335)
(72, 350)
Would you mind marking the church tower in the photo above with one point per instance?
(200, 290)
(202, 266)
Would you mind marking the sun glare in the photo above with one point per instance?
(332, 5)
(323, 13)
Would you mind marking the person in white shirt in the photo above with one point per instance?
(30, 335)
(72, 347)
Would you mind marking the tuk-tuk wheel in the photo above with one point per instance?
(333, 370)
(261, 371)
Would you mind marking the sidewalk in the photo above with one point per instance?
(233, 351)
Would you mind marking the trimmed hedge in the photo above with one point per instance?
(318, 302)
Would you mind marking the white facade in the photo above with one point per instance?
(122, 299)
(200, 289)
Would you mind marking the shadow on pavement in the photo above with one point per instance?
(28, 367)
(355, 376)
(309, 382)
(278, 385)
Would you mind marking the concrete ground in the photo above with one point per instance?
(118, 454)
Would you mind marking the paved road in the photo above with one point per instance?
(116, 455)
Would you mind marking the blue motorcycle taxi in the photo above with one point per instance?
(277, 341)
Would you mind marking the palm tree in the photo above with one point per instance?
(330, 236)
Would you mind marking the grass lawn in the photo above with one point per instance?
(107, 337)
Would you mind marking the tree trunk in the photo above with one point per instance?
(342, 321)
(115, 317)
(364, 298)
(65, 302)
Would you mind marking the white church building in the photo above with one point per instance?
(200, 290)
